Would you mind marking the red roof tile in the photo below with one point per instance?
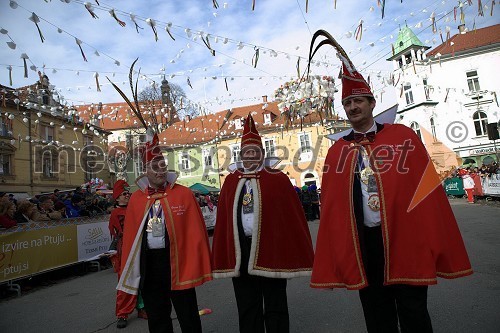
(470, 40)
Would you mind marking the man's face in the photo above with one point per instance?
(156, 171)
(359, 111)
(47, 205)
(252, 157)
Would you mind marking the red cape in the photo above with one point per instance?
(281, 243)
(189, 246)
(419, 245)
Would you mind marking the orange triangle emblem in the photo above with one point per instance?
(428, 183)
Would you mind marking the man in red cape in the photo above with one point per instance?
(261, 237)
(376, 235)
(125, 303)
(166, 252)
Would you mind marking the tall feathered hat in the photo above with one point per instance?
(353, 83)
(250, 134)
(151, 149)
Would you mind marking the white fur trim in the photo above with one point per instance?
(131, 276)
(237, 245)
(142, 181)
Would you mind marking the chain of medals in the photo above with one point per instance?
(367, 177)
(248, 199)
(155, 222)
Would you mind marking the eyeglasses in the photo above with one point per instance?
(125, 193)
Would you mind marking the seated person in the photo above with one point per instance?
(46, 210)
(7, 210)
(26, 212)
(74, 208)
(60, 207)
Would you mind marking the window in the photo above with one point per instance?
(207, 158)
(47, 133)
(305, 147)
(235, 153)
(138, 167)
(433, 128)
(238, 123)
(5, 164)
(269, 147)
(5, 126)
(49, 164)
(267, 118)
(408, 94)
(473, 81)
(416, 128)
(426, 90)
(480, 122)
(184, 161)
(305, 142)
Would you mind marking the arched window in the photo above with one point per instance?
(433, 128)
(480, 122)
(416, 128)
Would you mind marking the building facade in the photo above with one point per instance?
(448, 95)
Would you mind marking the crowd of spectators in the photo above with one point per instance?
(52, 207)
(483, 171)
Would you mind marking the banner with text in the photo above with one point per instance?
(30, 252)
(93, 239)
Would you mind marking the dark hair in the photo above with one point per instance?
(43, 199)
(76, 199)
(56, 190)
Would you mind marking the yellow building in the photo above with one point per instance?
(44, 146)
(302, 147)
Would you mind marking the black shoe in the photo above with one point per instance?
(122, 323)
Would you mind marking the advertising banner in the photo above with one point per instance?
(93, 239)
(491, 185)
(30, 252)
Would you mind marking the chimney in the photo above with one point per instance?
(461, 28)
(264, 99)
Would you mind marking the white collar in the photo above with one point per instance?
(371, 129)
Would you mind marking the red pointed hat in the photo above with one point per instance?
(151, 150)
(120, 187)
(353, 83)
(250, 134)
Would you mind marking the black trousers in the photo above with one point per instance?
(158, 298)
(262, 302)
(385, 306)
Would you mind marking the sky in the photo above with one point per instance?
(280, 29)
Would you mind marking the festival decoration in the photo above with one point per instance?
(302, 96)
(113, 15)
(90, 9)
(24, 56)
(34, 18)
(79, 43)
(137, 27)
(152, 24)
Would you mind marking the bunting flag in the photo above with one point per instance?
(189, 83)
(90, 9)
(455, 13)
(255, 57)
(383, 7)
(10, 75)
(215, 4)
(433, 23)
(462, 14)
(393, 51)
(206, 41)
(113, 15)
(137, 27)
(225, 80)
(167, 29)
(334, 4)
(447, 92)
(152, 24)
(297, 66)
(96, 75)
(34, 18)
(79, 42)
(480, 8)
(492, 5)
(307, 5)
(253, 4)
(359, 31)
(24, 56)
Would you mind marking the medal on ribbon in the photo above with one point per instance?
(374, 202)
(155, 224)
